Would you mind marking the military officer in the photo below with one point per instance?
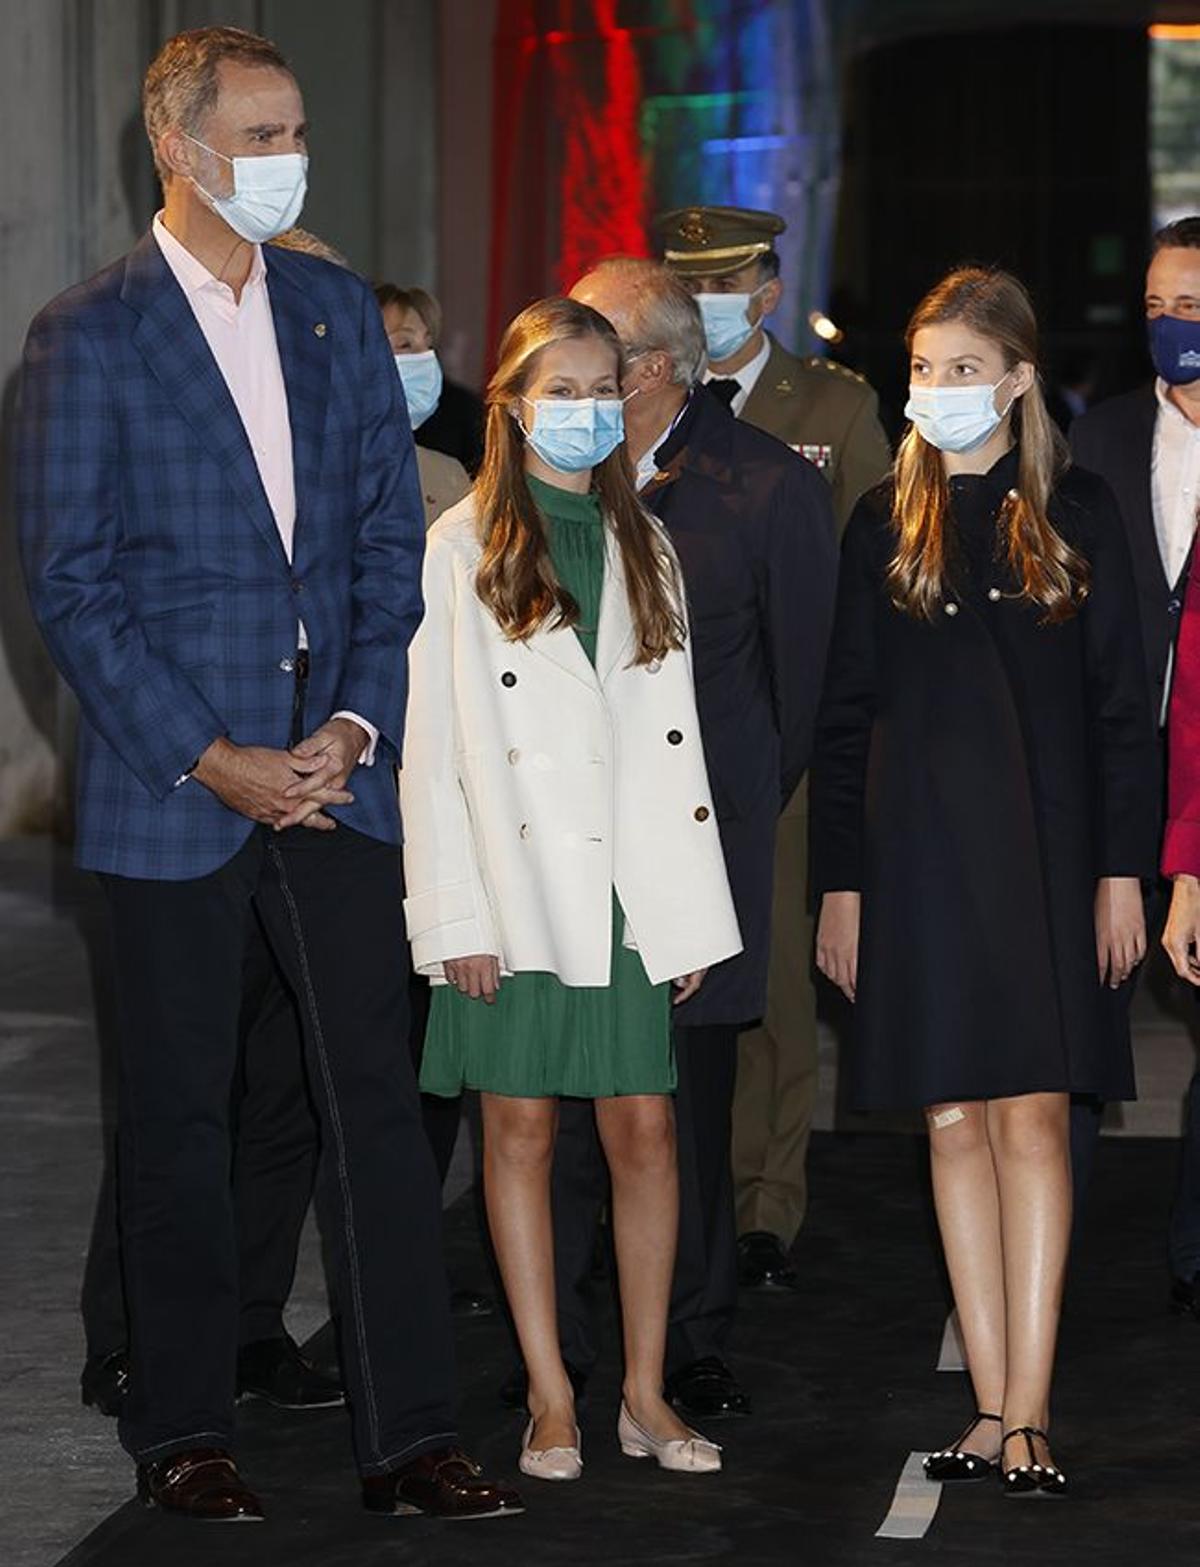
(727, 257)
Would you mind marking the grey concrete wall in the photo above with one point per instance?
(77, 187)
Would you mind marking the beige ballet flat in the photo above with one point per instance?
(550, 1463)
(693, 1454)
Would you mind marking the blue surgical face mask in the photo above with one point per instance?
(956, 418)
(1175, 349)
(268, 193)
(574, 433)
(727, 323)
(421, 375)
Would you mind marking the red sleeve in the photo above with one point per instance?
(1181, 847)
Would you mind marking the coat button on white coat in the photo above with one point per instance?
(514, 756)
(524, 829)
(653, 667)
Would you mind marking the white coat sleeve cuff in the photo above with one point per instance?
(367, 759)
(444, 923)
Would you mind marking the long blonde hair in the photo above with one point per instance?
(1052, 575)
(516, 578)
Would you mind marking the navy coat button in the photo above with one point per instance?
(1174, 606)
(508, 678)
(297, 585)
(674, 737)
(287, 665)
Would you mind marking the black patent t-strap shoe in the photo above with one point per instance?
(1032, 1478)
(954, 1463)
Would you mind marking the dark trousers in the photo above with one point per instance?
(329, 905)
(1183, 1238)
(1184, 1234)
(704, 1291)
(276, 1140)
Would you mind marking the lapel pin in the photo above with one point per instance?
(319, 329)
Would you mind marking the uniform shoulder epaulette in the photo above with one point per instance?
(819, 362)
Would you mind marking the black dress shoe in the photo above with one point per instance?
(959, 1462)
(441, 1484)
(471, 1303)
(202, 1484)
(1185, 1296)
(1031, 1478)
(274, 1369)
(514, 1390)
(706, 1390)
(762, 1262)
(104, 1384)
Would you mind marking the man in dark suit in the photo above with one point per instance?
(726, 256)
(222, 536)
(1146, 444)
(753, 527)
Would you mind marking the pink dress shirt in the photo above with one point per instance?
(241, 337)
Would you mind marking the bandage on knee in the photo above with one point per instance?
(945, 1118)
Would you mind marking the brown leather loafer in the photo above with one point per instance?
(441, 1484)
(200, 1483)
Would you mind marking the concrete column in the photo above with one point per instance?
(467, 30)
(407, 92)
(333, 52)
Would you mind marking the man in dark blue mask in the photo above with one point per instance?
(1146, 443)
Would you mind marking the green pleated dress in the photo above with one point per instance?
(542, 1037)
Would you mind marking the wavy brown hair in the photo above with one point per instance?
(1052, 575)
(516, 578)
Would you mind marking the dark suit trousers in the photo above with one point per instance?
(275, 1140)
(704, 1291)
(330, 906)
(1184, 1234)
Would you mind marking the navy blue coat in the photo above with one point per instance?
(975, 776)
(155, 568)
(753, 526)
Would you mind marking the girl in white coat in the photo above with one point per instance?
(561, 855)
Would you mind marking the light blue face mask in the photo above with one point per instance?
(421, 375)
(956, 418)
(574, 433)
(727, 323)
(268, 192)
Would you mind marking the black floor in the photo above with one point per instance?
(844, 1386)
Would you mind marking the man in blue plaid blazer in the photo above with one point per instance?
(222, 534)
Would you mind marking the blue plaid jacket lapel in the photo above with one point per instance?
(305, 340)
(172, 344)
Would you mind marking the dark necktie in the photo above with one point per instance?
(726, 388)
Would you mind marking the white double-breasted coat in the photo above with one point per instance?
(532, 784)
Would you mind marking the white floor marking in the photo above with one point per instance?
(914, 1504)
(952, 1356)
